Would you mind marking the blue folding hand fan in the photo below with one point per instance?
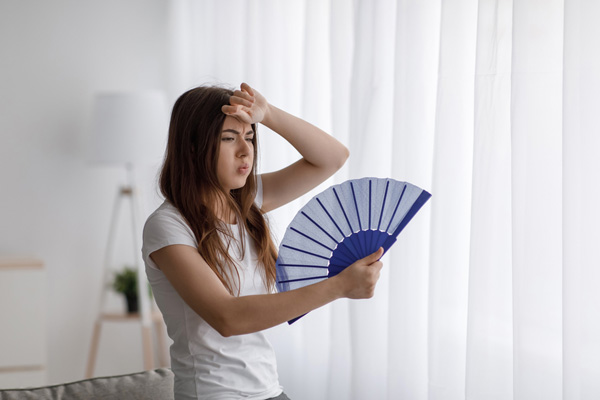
(342, 224)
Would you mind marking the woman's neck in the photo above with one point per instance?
(223, 211)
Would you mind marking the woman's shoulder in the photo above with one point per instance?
(166, 212)
(166, 222)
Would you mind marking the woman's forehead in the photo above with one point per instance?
(235, 124)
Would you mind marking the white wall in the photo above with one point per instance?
(53, 205)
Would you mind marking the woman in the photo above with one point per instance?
(209, 255)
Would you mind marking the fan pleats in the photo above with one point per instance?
(343, 224)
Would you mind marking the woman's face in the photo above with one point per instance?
(236, 154)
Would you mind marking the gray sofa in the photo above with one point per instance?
(147, 385)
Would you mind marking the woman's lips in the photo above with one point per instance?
(244, 168)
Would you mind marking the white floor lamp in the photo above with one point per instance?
(128, 129)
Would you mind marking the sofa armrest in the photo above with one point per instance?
(147, 385)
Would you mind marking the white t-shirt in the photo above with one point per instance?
(207, 365)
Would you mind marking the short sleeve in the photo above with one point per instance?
(258, 200)
(164, 229)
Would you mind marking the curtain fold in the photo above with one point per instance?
(450, 208)
(581, 196)
(371, 118)
(492, 106)
(536, 98)
(489, 371)
(415, 89)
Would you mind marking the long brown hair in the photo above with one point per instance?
(188, 180)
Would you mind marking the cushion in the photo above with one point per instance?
(148, 385)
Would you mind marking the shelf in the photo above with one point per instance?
(20, 263)
(156, 316)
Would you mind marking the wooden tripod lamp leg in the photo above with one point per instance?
(147, 345)
(163, 356)
(93, 350)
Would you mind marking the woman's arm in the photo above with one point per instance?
(322, 155)
(202, 290)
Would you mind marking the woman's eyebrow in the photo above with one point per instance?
(251, 132)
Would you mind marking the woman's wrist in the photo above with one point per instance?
(268, 117)
(336, 287)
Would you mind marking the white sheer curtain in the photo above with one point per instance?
(492, 106)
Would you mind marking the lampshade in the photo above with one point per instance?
(128, 127)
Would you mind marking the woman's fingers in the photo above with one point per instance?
(371, 258)
(236, 112)
(244, 94)
(246, 105)
(245, 87)
(242, 97)
(229, 110)
(235, 99)
(360, 278)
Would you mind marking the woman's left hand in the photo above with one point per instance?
(247, 105)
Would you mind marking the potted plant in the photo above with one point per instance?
(125, 282)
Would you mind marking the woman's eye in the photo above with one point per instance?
(227, 139)
(249, 139)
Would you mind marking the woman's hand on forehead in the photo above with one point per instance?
(247, 105)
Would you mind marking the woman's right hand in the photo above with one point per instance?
(359, 279)
(247, 105)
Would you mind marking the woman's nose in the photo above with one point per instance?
(244, 148)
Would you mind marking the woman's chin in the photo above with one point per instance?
(238, 184)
